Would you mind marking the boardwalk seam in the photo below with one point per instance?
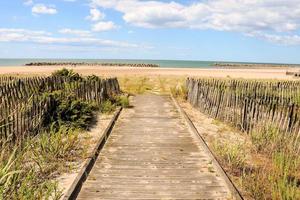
(235, 192)
(82, 175)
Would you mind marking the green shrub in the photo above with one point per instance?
(75, 113)
(70, 112)
(67, 74)
(123, 101)
(107, 107)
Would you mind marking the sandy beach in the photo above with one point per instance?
(261, 73)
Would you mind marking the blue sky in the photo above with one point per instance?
(229, 30)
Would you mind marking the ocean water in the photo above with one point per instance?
(161, 63)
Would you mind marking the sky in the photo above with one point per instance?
(208, 30)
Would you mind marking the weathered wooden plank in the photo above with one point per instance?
(151, 154)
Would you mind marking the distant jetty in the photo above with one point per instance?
(253, 65)
(74, 64)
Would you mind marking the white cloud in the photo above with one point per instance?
(279, 15)
(268, 16)
(8, 35)
(104, 26)
(290, 40)
(28, 2)
(43, 9)
(42, 37)
(100, 26)
(95, 15)
(82, 33)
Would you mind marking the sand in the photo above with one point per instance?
(261, 73)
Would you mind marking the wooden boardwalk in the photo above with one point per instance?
(151, 154)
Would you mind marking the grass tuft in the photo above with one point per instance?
(232, 154)
(107, 107)
(179, 91)
(123, 101)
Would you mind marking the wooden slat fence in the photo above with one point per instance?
(22, 105)
(249, 105)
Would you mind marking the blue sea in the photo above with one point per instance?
(161, 63)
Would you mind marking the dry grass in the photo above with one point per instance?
(267, 168)
(233, 154)
(150, 84)
(27, 171)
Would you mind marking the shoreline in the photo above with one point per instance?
(254, 65)
(104, 71)
(75, 64)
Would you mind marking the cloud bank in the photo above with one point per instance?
(42, 37)
(273, 20)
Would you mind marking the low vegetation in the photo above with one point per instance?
(268, 165)
(68, 74)
(136, 85)
(231, 153)
(28, 168)
(123, 101)
(179, 91)
(280, 176)
(151, 84)
(107, 107)
(70, 112)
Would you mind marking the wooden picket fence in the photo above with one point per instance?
(23, 107)
(250, 105)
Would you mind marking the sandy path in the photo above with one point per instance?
(270, 73)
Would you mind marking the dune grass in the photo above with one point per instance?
(267, 169)
(151, 84)
(27, 171)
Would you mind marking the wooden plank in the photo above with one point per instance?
(151, 154)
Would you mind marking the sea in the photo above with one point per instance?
(161, 63)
